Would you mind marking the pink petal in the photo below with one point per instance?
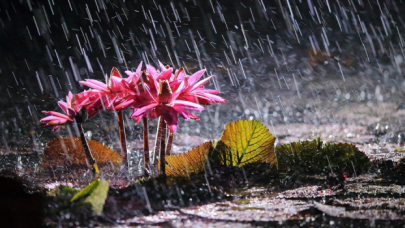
(63, 105)
(124, 104)
(115, 73)
(51, 118)
(170, 117)
(57, 114)
(144, 109)
(185, 114)
(131, 76)
(71, 112)
(153, 114)
(211, 97)
(56, 128)
(179, 90)
(69, 99)
(152, 71)
(116, 84)
(138, 70)
(162, 67)
(95, 85)
(202, 82)
(180, 76)
(202, 90)
(138, 118)
(165, 75)
(188, 105)
(152, 94)
(195, 77)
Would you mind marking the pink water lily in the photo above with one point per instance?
(195, 91)
(56, 119)
(165, 104)
(111, 95)
(165, 93)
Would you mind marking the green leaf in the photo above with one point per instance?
(95, 194)
(316, 157)
(244, 142)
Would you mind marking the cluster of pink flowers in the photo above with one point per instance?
(152, 93)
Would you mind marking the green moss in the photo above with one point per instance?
(63, 192)
(316, 157)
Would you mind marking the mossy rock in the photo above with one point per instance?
(317, 158)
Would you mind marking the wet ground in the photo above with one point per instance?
(366, 200)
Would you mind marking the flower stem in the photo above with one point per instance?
(157, 142)
(123, 142)
(89, 156)
(146, 160)
(163, 149)
(169, 143)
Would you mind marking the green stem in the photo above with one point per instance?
(169, 143)
(163, 149)
(146, 159)
(123, 143)
(157, 141)
(89, 156)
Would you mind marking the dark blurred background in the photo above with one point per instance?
(283, 62)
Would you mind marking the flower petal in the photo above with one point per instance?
(63, 105)
(202, 82)
(51, 118)
(170, 117)
(56, 128)
(191, 80)
(138, 70)
(95, 85)
(57, 114)
(188, 105)
(152, 71)
(165, 75)
(141, 111)
(185, 114)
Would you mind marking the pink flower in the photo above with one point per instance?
(195, 91)
(166, 105)
(56, 119)
(112, 95)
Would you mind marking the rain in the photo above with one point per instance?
(303, 68)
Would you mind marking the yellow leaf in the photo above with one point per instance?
(182, 165)
(246, 141)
